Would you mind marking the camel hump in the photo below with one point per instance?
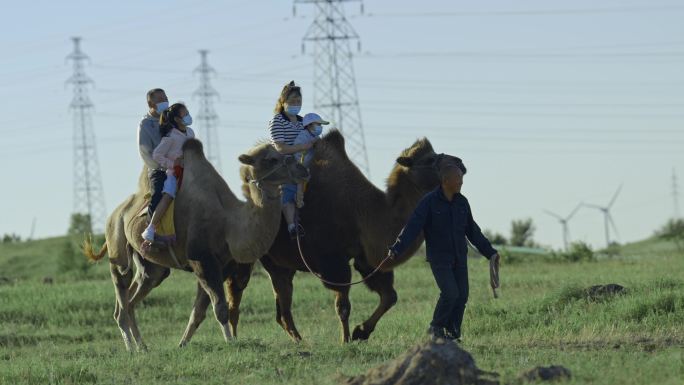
(335, 140)
(193, 145)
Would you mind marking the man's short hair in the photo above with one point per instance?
(449, 168)
(152, 92)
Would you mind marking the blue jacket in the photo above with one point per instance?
(445, 226)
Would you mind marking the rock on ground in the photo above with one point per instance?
(438, 362)
(550, 373)
(602, 291)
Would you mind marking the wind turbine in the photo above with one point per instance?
(606, 215)
(564, 223)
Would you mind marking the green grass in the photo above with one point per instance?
(64, 333)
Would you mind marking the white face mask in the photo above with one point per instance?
(162, 106)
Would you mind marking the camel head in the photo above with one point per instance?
(421, 164)
(264, 165)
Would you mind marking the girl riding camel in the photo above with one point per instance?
(174, 126)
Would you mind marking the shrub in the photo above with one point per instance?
(521, 233)
(578, 252)
(673, 231)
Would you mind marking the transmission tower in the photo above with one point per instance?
(88, 192)
(335, 94)
(206, 117)
(675, 194)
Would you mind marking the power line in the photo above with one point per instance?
(532, 12)
(455, 111)
(524, 55)
(335, 90)
(206, 116)
(88, 192)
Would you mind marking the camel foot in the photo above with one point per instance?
(296, 338)
(227, 335)
(360, 333)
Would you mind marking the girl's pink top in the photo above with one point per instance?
(171, 147)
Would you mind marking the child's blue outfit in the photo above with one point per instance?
(289, 191)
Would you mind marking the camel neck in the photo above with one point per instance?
(403, 196)
(256, 223)
(262, 197)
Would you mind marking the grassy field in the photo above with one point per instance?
(64, 333)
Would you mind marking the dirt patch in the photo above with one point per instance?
(550, 373)
(634, 343)
(437, 362)
(600, 292)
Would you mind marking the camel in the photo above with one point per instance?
(346, 217)
(362, 222)
(217, 234)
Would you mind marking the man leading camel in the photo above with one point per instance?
(149, 138)
(445, 218)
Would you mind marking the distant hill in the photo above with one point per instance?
(40, 258)
(35, 259)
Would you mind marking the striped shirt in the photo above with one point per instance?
(283, 130)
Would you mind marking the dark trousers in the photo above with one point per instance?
(157, 178)
(453, 286)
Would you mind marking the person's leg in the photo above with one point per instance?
(300, 195)
(157, 178)
(289, 211)
(288, 199)
(161, 209)
(169, 193)
(461, 276)
(448, 296)
(289, 193)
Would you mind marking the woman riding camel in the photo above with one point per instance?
(284, 128)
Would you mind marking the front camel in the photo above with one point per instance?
(214, 231)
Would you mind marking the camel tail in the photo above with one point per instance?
(89, 252)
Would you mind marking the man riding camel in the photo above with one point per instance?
(149, 138)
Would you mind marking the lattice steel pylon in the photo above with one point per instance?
(88, 192)
(206, 116)
(335, 94)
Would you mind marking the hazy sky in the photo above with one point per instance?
(549, 103)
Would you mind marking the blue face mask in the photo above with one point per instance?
(317, 130)
(293, 110)
(162, 106)
(187, 120)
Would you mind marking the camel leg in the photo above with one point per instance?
(343, 307)
(155, 276)
(381, 283)
(210, 276)
(199, 312)
(237, 279)
(339, 273)
(281, 280)
(121, 283)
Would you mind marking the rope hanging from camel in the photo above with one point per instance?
(363, 279)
